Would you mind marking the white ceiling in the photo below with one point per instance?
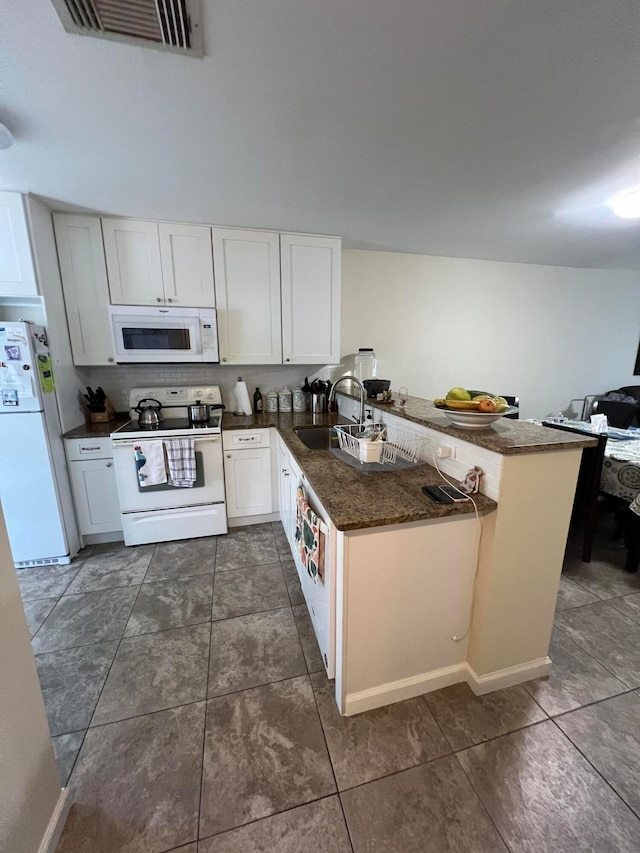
(474, 128)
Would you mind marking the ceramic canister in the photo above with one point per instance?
(284, 400)
(272, 401)
(299, 400)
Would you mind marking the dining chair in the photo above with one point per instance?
(513, 401)
(585, 502)
(619, 414)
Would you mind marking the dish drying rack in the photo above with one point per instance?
(397, 445)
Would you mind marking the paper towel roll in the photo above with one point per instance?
(243, 404)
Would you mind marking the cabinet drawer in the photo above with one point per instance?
(89, 448)
(236, 439)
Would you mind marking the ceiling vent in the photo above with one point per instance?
(172, 25)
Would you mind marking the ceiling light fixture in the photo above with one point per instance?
(6, 137)
(627, 204)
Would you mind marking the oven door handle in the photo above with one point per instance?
(130, 442)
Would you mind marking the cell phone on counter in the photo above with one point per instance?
(444, 494)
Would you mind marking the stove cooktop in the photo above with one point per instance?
(168, 427)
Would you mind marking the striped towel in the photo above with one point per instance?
(181, 461)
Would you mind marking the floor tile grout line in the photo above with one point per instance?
(591, 655)
(435, 719)
(333, 770)
(266, 817)
(104, 683)
(593, 703)
(597, 771)
(482, 803)
(44, 620)
(75, 761)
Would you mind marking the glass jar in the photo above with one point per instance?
(284, 400)
(365, 364)
(272, 401)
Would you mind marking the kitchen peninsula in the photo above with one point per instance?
(410, 601)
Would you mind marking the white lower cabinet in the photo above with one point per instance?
(247, 472)
(93, 483)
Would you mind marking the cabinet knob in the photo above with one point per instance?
(287, 359)
(224, 359)
(158, 299)
(169, 300)
(109, 464)
(110, 360)
(228, 456)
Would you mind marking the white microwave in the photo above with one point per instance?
(143, 334)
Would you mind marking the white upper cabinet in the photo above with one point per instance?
(187, 265)
(247, 265)
(85, 287)
(151, 263)
(132, 251)
(311, 277)
(17, 272)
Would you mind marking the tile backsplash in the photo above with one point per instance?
(116, 381)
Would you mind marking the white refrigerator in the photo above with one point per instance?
(34, 482)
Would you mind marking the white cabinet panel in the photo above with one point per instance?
(17, 272)
(247, 269)
(132, 251)
(85, 287)
(311, 279)
(187, 265)
(248, 482)
(95, 494)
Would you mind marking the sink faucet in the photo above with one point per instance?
(332, 393)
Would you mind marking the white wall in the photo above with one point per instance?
(545, 334)
(29, 783)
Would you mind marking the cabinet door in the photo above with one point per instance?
(95, 495)
(284, 480)
(17, 272)
(86, 291)
(311, 275)
(247, 476)
(247, 269)
(132, 251)
(187, 265)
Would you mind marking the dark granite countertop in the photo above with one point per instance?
(102, 430)
(356, 501)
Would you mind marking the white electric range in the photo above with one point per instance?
(165, 512)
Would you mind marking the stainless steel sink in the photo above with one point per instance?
(317, 437)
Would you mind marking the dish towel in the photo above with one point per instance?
(150, 463)
(181, 460)
(309, 538)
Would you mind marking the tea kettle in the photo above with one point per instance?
(149, 416)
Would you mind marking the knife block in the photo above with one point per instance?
(103, 417)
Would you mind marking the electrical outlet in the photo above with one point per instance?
(446, 451)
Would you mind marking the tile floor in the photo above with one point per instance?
(190, 711)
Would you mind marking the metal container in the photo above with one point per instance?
(319, 402)
(198, 412)
(149, 416)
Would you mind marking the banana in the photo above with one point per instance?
(464, 405)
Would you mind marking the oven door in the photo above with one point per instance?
(158, 334)
(208, 488)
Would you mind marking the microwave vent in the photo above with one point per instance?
(171, 25)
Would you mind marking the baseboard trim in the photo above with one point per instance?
(56, 824)
(481, 684)
(404, 688)
(243, 521)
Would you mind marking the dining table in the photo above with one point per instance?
(620, 477)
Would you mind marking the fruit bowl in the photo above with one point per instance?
(474, 420)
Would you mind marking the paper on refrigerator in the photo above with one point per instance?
(14, 378)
